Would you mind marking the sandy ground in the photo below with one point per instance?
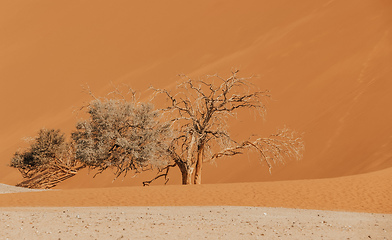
(209, 222)
(198, 212)
(326, 63)
(4, 188)
(370, 193)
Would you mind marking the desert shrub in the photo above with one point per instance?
(47, 161)
(120, 134)
(48, 145)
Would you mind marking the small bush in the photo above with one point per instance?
(123, 135)
(48, 145)
(48, 161)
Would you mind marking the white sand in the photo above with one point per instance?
(190, 223)
(207, 222)
(4, 188)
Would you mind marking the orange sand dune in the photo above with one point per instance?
(371, 192)
(327, 64)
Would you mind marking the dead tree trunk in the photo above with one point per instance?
(199, 164)
(187, 174)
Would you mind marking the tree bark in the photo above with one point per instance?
(189, 176)
(188, 166)
(186, 173)
(199, 164)
(186, 176)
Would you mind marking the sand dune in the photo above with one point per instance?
(4, 188)
(326, 63)
(371, 192)
(115, 214)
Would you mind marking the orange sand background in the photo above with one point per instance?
(327, 64)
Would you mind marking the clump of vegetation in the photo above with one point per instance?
(47, 161)
(124, 135)
(132, 136)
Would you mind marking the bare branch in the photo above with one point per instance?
(87, 89)
(165, 174)
(278, 147)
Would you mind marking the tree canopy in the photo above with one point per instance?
(200, 110)
(128, 135)
(123, 135)
(47, 161)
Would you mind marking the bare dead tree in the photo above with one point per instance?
(48, 160)
(199, 111)
(126, 135)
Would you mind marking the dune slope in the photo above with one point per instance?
(327, 65)
(371, 192)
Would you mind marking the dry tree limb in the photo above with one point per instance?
(165, 174)
(285, 144)
(49, 176)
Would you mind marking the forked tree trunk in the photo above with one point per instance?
(186, 173)
(186, 176)
(199, 164)
(187, 169)
(188, 180)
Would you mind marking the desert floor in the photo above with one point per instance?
(217, 211)
(208, 222)
(370, 192)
